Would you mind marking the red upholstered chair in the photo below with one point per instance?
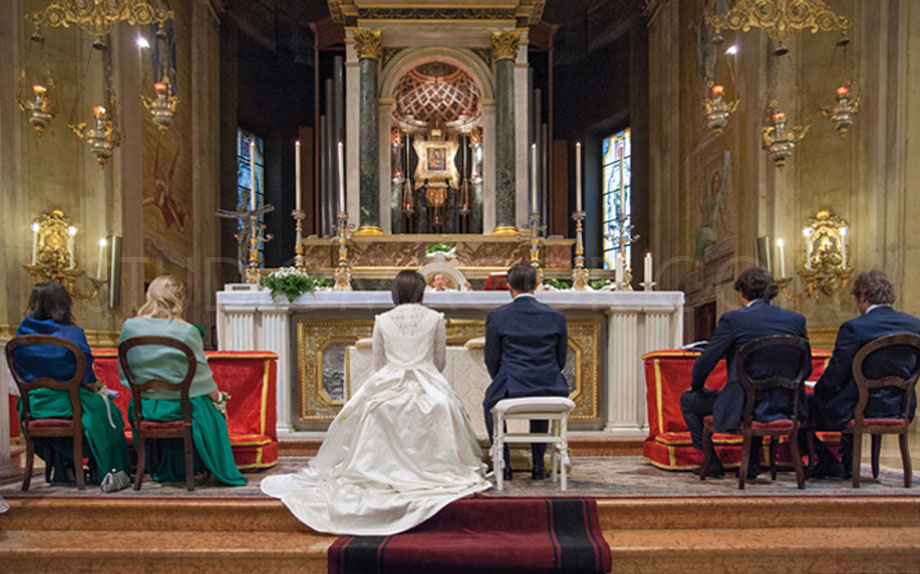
(774, 429)
(878, 427)
(144, 429)
(52, 427)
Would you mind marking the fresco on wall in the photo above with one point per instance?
(715, 206)
(168, 202)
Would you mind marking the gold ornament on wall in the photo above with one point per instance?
(779, 18)
(98, 17)
(825, 269)
(368, 44)
(54, 255)
(505, 44)
(778, 139)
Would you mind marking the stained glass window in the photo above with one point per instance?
(243, 183)
(617, 195)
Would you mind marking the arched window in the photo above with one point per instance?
(617, 154)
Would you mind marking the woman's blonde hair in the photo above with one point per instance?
(165, 298)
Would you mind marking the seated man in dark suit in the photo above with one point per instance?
(757, 318)
(526, 344)
(836, 394)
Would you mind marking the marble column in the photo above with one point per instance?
(504, 51)
(368, 47)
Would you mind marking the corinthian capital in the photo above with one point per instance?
(505, 44)
(368, 44)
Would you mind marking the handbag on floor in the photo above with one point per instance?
(114, 481)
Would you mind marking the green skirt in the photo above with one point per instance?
(108, 450)
(166, 461)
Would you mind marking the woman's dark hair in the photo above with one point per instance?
(756, 284)
(408, 287)
(51, 301)
(522, 278)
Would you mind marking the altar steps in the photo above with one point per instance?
(811, 534)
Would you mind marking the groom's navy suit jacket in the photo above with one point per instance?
(526, 343)
(836, 394)
(736, 328)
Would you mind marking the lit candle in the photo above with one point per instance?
(35, 243)
(159, 87)
(342, 177)
(71, 231)
(99, 111)
(577, 176)
(843, 90)
(779, 116)
(843, 245)
(102, 244)
(619, 271)
(297, 175)
(718, 90)
(807, 233)
(781, 243)
(648, 270)
(38, 90)
(252, 174)
(533, 178)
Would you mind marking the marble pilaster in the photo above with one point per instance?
(504, 51)
(368, 47)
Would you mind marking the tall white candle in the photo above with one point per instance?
(619, 271)
(35, 243)
(807, 233)
(252, 174)
(577, 176)
(781, 243)
(99, 267)
(533, 178)
(297, 175)
(843, 245)
(341, 152)
(71, 231)
(648, 270)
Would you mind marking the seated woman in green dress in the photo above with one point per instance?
(162, 315)
(50, 314)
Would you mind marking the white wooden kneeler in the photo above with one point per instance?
(553, 409)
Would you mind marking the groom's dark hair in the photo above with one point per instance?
(522, 278)
(408, 287)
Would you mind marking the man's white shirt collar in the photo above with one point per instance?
(873, 307)
(525, 295)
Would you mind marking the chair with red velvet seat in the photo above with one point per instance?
(788, 426)
(880, 426)
(50, 427)
(144, 429)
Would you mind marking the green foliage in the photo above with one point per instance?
(557, 284)
(600, 283)
(438, 247)
(291, 283)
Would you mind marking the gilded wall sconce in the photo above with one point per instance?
(54, 258)
(825, 269)
(718, 110)
(779, 140)
(843, 114)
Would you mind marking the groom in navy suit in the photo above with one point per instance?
(526, 343)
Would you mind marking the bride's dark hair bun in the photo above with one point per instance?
(408, 287)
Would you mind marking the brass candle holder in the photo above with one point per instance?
(299, 262)
(54, 256)
(344, 233)
(257, 236)
(579, 273)
(534, 235)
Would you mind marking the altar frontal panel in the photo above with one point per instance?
(326, 348)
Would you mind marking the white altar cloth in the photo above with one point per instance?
(637, 322)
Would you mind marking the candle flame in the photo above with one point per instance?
(39, 89)
(779, 116)
(99, 110)
(843, 90)
(159, 86)
(717, 90)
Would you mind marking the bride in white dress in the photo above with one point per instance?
(402, 447)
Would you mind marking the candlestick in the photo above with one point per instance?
(843, 246)
(648, 268)
(533, 178)
(577, 176)
(35, 228)
(619, 271)
(252, 174)
(102, 244)
(781, 243)
(297, 175)
(341, 155)
(622, 209)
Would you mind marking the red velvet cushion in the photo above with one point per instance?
(51, 424)
(779, 425)
(168, 426)
(882, 424)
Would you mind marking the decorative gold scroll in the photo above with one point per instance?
(780, 17)
(97, 17)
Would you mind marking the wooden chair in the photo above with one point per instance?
(144, 429)
(879, 426)
(50, 427)
(774, 429)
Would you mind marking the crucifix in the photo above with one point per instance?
(254, 234)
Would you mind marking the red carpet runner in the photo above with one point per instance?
(486, 535)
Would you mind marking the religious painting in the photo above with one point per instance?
(715, 207)
(437, 159)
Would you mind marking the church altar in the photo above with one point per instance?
(315, 336)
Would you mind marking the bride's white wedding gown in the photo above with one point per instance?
(402, 447)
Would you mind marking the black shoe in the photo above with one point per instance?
(715, 471)
(829, 469)
(507, 474)
(538, 473)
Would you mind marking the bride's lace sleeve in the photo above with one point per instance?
(440, 344)
(380, 355)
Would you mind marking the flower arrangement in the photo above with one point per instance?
(438, 247)
(557, 284)
(600, 283)
(291, 283)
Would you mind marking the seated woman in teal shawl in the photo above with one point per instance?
(50, 314)
(162, 315)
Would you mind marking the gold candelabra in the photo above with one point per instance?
(299, 263)
(257, 237)
(54, 257)
(534, 236)
(344, 232)
(825, 269)
(579, 273)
